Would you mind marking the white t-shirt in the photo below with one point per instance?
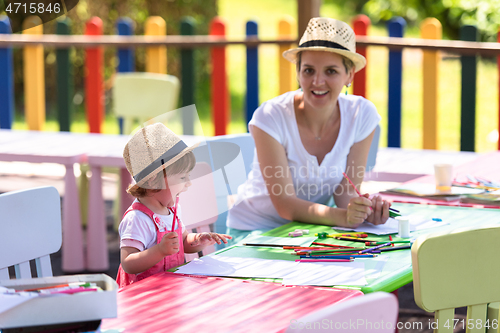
(311, 181)
(139, 227)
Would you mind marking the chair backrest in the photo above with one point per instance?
(376, 312)
(143, 96)
(30, 228)
(455, 269)
(231, 157)
(372, 154)
(199, 204)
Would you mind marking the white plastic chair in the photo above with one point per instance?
(199, 204)
(376, 312)
(30, 228)
(231, 157)
(372, 154)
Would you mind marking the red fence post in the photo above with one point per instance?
(360, 26)
(219, 86)
(94, 94)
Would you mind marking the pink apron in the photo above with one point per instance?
(123, 279)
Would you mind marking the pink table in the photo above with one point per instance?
(484, 165)
(61, 148)
(171, 302)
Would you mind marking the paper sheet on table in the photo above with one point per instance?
(238, 267)
(391, 226)
(8, 301)
(292, 273)
(327, 274)
(290, 241)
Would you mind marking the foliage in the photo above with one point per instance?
(110, 11)
(452, 14)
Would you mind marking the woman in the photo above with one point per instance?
(306, 139)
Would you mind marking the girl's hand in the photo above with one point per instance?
(358, 210)
(169, 244)
(209, 238)
(380, 212)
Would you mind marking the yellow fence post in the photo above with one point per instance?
(287, 69)
(430, 29)
(34, 76)
(156, 56)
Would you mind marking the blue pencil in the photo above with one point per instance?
(375, 247)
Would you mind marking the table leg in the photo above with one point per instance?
(395, 293)
(72, 245)
(97, 246)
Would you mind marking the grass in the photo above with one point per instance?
(267, 14)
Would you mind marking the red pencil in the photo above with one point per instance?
(354, 186)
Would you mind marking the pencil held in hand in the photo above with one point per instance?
(354, 186)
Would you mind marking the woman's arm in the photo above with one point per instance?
(355, 169)
(274, 167)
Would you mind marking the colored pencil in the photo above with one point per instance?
(323, 260)
(396, 248)
(354, 186)
(376, 247)
(332, 245)
(273, 245)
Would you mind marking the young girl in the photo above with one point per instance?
(152, 236)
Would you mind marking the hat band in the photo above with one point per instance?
(164, 158)
(324, 43)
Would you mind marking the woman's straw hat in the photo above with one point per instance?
(330, 35)
(152, 149)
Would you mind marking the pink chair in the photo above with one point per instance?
(376, 312)
(199, 204)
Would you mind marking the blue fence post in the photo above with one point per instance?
(396, 28)
(468, 95)
(6, 79)
(126, 56)
(252, 100)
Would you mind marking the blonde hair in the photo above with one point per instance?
(184, 165)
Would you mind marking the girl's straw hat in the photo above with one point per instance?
(152, 149)
(327, 34)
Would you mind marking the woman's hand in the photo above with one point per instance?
(169, 244)
(358, 210)
(209, 238)
(380, 212)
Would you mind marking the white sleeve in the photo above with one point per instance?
(368, 118)
(138, 226)
(267, 118)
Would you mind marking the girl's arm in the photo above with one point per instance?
(195, 242)
(274, 166)
(346, 196)
(134, 261)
